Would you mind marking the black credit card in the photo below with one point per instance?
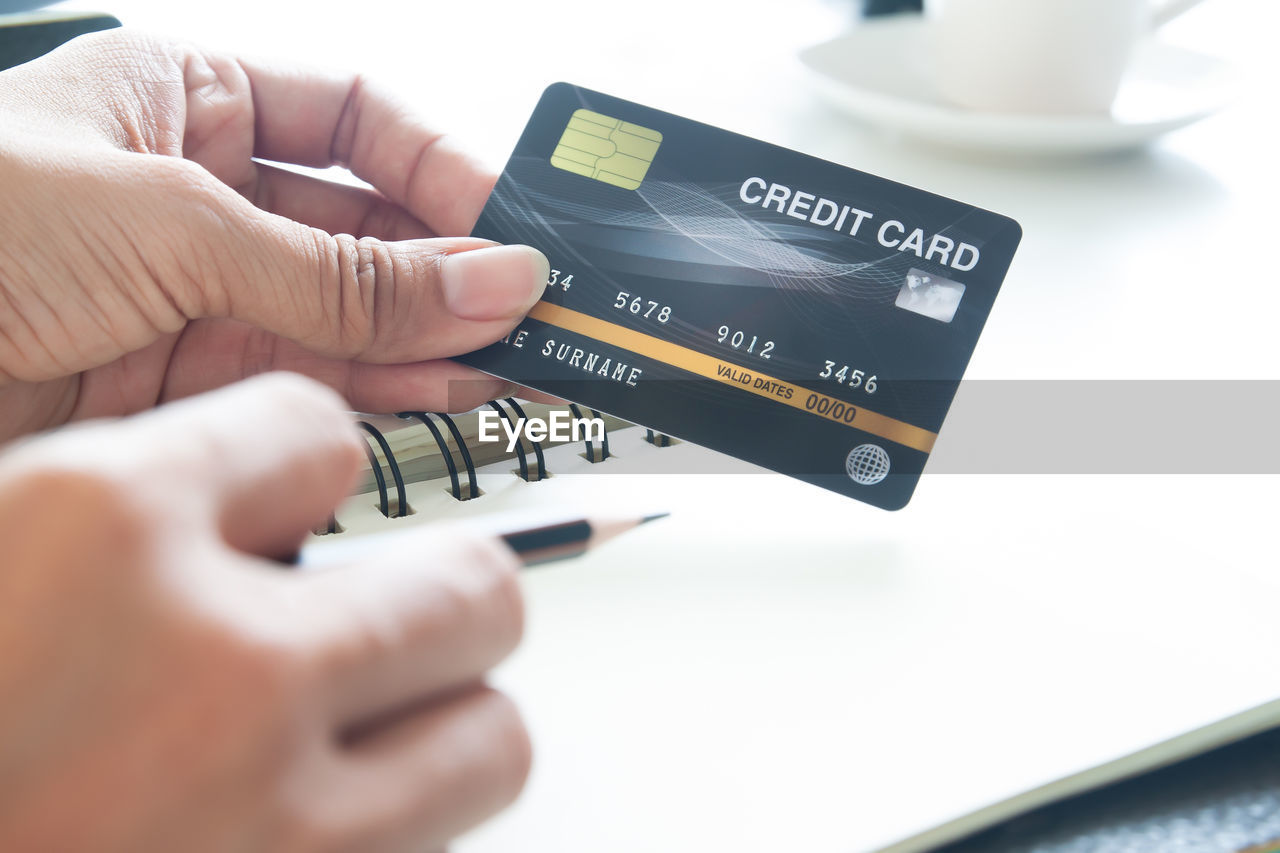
(795, 313)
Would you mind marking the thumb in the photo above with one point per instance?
(370, 300)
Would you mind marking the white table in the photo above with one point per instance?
(681, 703)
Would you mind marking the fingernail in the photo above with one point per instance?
(493, 283)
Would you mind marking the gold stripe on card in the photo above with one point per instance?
(711, 367)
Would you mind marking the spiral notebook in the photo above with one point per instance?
(432, 466)
(775, 590)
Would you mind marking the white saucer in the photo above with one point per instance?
(876, 73)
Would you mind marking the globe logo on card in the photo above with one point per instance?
(606, 149)
(867, 464)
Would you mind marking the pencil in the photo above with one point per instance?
(534, 545)
(566, 539)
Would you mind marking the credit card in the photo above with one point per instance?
(793, 312)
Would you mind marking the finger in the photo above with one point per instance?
(335, 208)
(213, 353)
(339, 296)
(366, 299)
(318, 118)
(273, 455)
(533, 395)
(429, 777)
(429, 386)
(421, 618)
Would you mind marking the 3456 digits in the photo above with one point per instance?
(849, 376)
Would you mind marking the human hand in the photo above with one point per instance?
(164, 686)
(148, 255)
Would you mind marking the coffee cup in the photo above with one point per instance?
(1038, 56)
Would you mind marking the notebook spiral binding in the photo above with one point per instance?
(458, 459)
(591, 448)
(657, 439)
(401, 508)
(541, 472)
(455, 485)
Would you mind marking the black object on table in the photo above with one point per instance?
(28, 36)
(1223, 801)
(890, 7)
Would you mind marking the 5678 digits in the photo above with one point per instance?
(641, 306)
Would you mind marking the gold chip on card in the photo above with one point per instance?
(606, 149)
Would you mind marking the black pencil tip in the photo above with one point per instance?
(654, 517)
